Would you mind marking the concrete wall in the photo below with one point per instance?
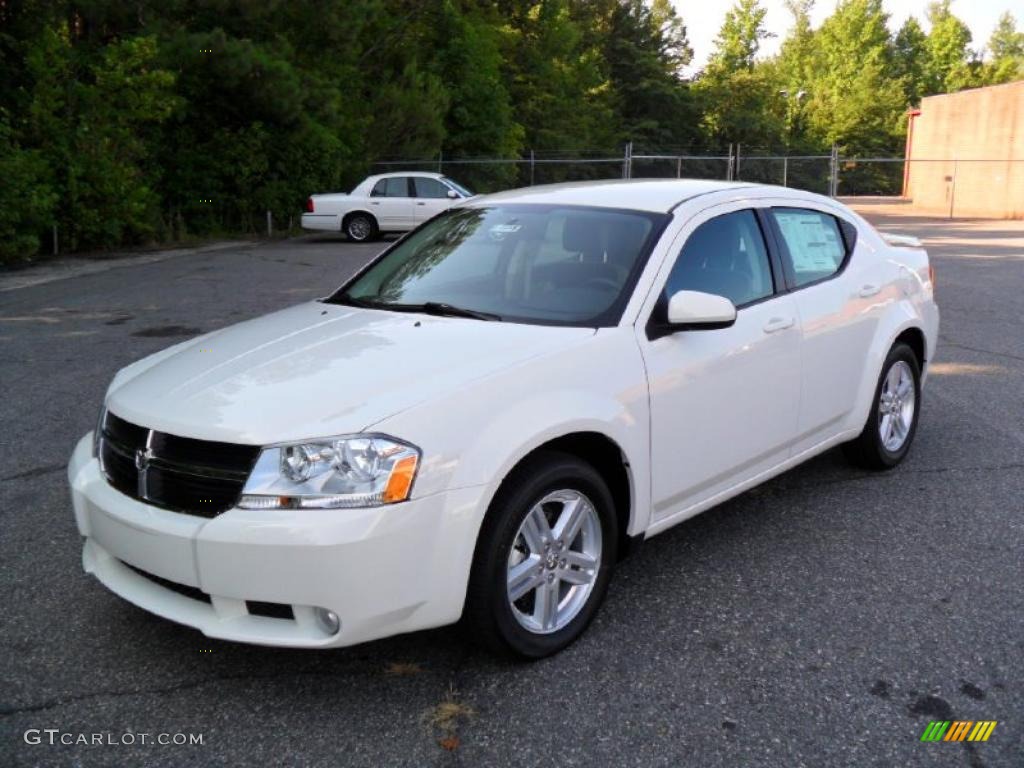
(984, 130)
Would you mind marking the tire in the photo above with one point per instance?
(517, 627)
(871, 450)
(361, 228)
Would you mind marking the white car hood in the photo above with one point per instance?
(318, 369)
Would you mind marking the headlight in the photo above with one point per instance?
(354, 471)
(97, 434)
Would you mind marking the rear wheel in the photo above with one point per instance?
(543, 559)
(360, 227)
(892, 422)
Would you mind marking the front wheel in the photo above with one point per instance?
(892, 422)
(543, 559)
(360, 227)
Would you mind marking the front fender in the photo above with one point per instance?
(475, 436)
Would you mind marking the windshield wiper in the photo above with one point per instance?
(429, 307)
(450, 310)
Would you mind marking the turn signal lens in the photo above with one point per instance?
(400, 482)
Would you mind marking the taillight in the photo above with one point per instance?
(309, 205)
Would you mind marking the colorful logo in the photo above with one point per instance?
(958, 730)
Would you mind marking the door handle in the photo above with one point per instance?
(779, 324)
(374, 202)
(420, 203)
(867, 291)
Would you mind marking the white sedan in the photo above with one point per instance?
(390, 202)
(486, 418)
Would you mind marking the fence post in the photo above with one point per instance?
(55, 248)
(833, 173)
(679, 167)
(737, 161)
(440, 159)
(785, 170)
(952, 189)
(270, 223)
(533, 163)
(728, 167)
(627, 161)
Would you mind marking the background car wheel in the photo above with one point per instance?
(893, 419)
(360, 227)
(543, 558)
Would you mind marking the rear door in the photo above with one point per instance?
(431, 198)
(841, 292)
(391, 202)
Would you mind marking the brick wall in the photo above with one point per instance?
(982, 128)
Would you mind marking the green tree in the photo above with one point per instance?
(1006, 49)
(644, 52)
(480, 119)
(739, 38)
(855, 99)
(910, 59)
(741, 101)
(28, 198)
(950, 63)
(794, 68)
(553, 73)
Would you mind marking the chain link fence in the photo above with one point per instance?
(972, 187)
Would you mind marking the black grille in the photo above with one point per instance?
(270, 610)
(182, 589)
(197, 477)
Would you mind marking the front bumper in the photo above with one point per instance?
(383, 571)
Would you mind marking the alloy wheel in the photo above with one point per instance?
(554, 561)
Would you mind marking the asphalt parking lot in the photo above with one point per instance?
(820, 620)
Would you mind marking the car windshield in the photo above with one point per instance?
(461, 189)
(545, 264)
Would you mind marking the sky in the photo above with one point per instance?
(703, 18)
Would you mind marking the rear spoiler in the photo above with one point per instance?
(901, 241)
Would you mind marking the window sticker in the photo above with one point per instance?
(813, 241)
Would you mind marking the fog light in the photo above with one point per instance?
(328, 620)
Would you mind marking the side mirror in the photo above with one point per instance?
(698, 311)
(453, 195)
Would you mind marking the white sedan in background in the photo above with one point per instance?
(483, 420)
(389, 202)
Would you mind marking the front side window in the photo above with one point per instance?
(427, 187)
(813, 244)
(396, 186)
(725, 256)
(547, 264)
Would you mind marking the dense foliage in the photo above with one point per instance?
(155, 120)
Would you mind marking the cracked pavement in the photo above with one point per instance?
(819, 620)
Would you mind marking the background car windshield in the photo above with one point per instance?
(460, 188)
(545, 264)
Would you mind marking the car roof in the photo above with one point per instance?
(656, 195)
(393, 174)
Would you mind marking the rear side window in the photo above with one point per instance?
(814, 246)
(426, 187)
(393, 187)
(725, 256)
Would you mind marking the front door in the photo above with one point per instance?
(431, 198)
(391, 203)
(724, 403)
